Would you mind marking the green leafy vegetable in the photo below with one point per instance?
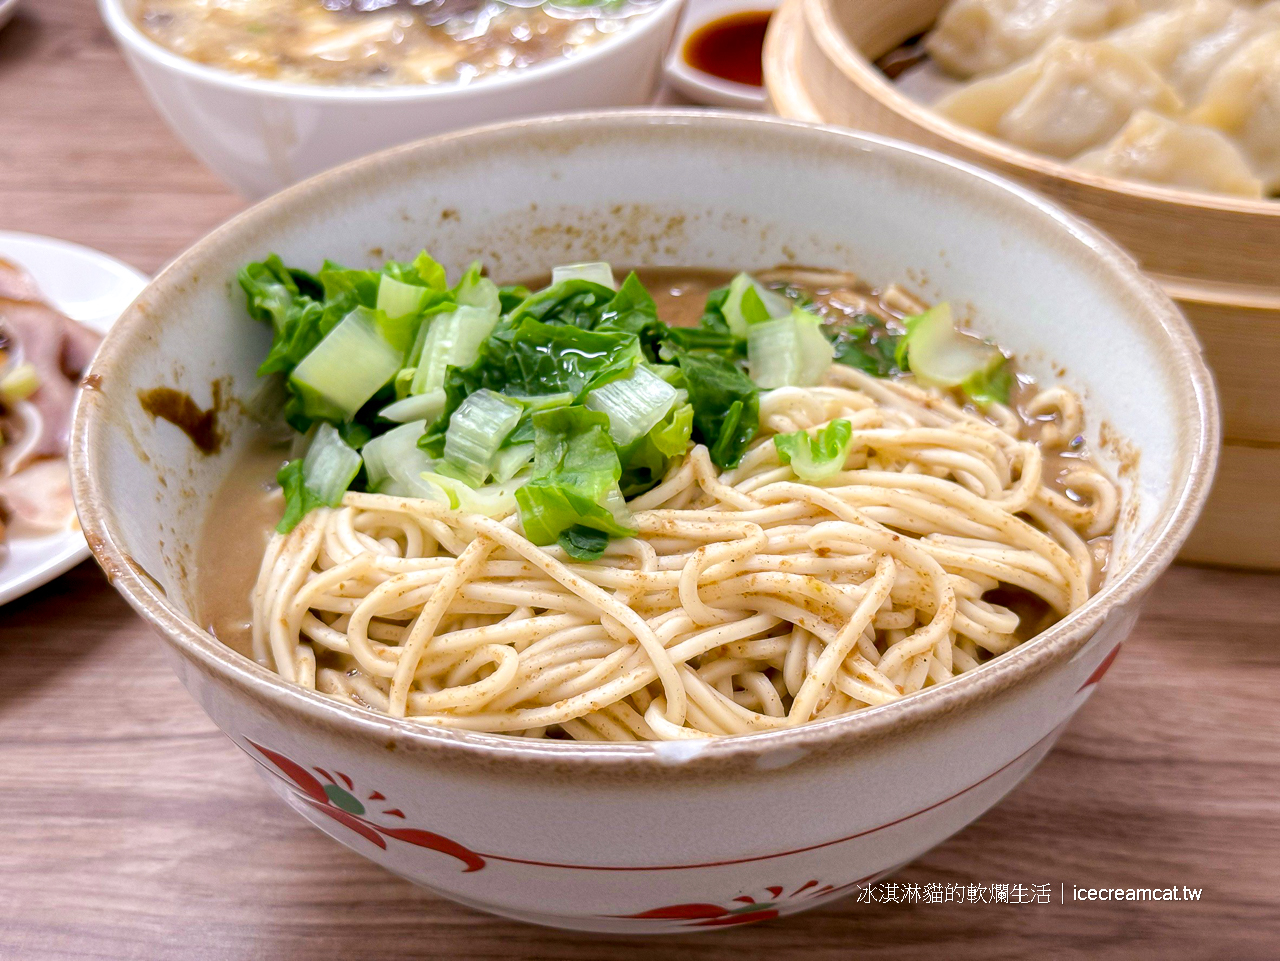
(646, 460)
(534, 359)
(344, 370)
(285, 299)
(750, 302)
(817, 455)
(789, 351)
(476, 431)
(869, 346)
(572, 303)
(422, 272)
(575, 478)
(596, 271)
(583, 543)
(726, 406)
(558, 403)
(634, 404)
(989, 386)
(319, 479)
(941, 356)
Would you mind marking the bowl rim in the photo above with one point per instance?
(128, 35)
(1165, 535)
(858, 68)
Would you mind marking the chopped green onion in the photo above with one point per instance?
(634, 405)
(453, 341)
(750, 302)
(349, 366)
(820, 454)
(941, 356)
(598, 272)
(788, 352)
(476, 431)
(415, 407)
(19, 383)
(397, 299)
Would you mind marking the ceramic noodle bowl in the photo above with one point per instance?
(690, 835)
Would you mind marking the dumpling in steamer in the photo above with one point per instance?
(1187, 43)
(979, 36)
(1071, 96)
(1242, 100)
(1162, 150)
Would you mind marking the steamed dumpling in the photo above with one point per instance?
(979, 36)
(1187, 43)
(1071, 96)
(1162, 150)
(1242, 99)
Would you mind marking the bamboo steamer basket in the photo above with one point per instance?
(1217, 256)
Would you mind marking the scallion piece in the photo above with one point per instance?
(476, 432)
(349, 366)
(789, 352)
(634, 404)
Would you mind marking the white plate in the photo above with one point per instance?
(92, 288)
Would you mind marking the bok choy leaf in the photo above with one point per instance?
(575, 480)
(820, 454)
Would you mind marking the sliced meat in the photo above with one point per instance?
(39, 334)
(37, 499)
(16, 283)
(58, 348)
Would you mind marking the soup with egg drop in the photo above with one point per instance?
(380, 42)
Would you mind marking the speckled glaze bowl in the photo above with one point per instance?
(656, 837)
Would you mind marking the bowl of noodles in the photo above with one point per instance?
(645, 522)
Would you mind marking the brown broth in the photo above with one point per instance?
(731, 47)
(242, 516)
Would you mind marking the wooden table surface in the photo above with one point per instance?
(129, 828)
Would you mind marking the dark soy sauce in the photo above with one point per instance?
(731, 47)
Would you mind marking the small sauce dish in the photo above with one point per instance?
(716, 56)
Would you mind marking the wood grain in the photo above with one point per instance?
(131, 829)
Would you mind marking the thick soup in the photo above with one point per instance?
(379, 42)
(690, 504)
